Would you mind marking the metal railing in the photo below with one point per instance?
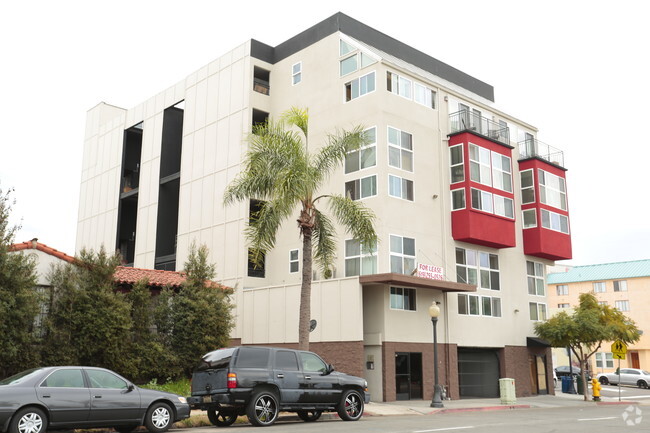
(261, 86)
(465, 120)
(531, 148)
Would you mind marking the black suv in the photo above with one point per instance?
(261, 381)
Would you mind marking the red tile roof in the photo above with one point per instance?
(35, 245)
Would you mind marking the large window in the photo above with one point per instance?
(364, 157)
(358, 260)
(620, 286)
(604, 360)
(361, 188)
(490, 168)
(562, 289)
(400, 187)
(400, 149)
(599, 287)
(537, 311)
(478, 267)
(501, 172)
(527, 186)
(457, 163)
(622, 305)
(360, 86)
(492, 203)
(535, 273)
(474, 305)
(402, 299)
(409, 89)
(555, 221)
(402, 255)
(552, 190)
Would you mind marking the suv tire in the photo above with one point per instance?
(351, 405)
(262, 409)
(222, 418)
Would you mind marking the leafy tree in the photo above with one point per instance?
(280, 170)
(89, 322)
(586, 329)
(198, 318)
(19, 301)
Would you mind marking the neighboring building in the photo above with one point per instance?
(623, 285)
(460, 188)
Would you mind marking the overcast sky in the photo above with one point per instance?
(577, 70)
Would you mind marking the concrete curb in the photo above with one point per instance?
(481, 409)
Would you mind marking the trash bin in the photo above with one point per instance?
(567, 385)
(581, 388)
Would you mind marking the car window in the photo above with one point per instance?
(253, 357)
(68, 378)
(633, 372)
(286, 360)
(20, 377)
(104, 379)
(217, 359)
(311, 362)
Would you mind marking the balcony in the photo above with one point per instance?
(465, 120)
(532, 148)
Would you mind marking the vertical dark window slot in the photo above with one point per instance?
(127, 213)
(168, 193)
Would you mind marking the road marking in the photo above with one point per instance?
(634, 397)
(444, 429)
(597, 419)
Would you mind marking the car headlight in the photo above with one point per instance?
(365, 384)
(182, 400)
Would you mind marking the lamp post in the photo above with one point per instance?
(434, 312)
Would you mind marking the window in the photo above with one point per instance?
(604, 360)
(479, 164)
(537, 311)
(399, 85)
(402, 255)
(345, 48)
(527, 187)
(409, 89)
(602, 303)
(360, 86)
(468, 305)
(477, 267)
(555, 221)
(253, 357)
(294, 265)
(563, 305)
(286, 360)
(491, 306)
(552, 190)
(458, 199)
(535, 273)
(361, 188)
(492, 203)
(620, 286)
(65, 378)
(311, 362)
(400, 149)
(349, 65)
(562, 289)
(501, 172)
(402, 299)
(364, 157)
(530, 218)
(400, 188)
(423, 95)
(599, 287)
(457, 163)
(622, 305)
(256, 268)
(354, 62)
(296, 73)
(359, 261)
(104, 379)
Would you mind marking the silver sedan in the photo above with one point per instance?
(628, 376)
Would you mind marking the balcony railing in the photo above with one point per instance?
(531, 148)
(467, 121)
(261, 86)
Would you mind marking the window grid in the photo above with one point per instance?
(552, 190)
(622, 305)
(604, 360)
(527, 187)
(360, 86)
(361, 188)
(364, 157)
(535, 271)
(492, 203)
(478, 267)
(402, 255)
(411, 90)
(475, 305)
(562, 289)
(555, 221)
(400, 149)
(296, 73)
(620, 286)
(458, 199)
(359, 260)
(402, 299)
(400, 187)
(599, 287)
(537, 311)
(530, 218)
(294, 264)
(457, 163)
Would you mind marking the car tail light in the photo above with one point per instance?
(232, 380)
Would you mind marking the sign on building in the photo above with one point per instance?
(431, 272)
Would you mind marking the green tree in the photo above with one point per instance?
(89, 322)
(586, 329)
(198, 318)
(280, 170)
(19, 301)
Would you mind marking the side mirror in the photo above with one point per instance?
(330, 368)
(130, 388)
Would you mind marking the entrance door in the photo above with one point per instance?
(634, 359)
(408, 375)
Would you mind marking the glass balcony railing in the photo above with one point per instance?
(465, 120)
(532, 148)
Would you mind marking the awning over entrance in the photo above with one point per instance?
(411, 281)
(537, 342)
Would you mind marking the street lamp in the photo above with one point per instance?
(434, 312)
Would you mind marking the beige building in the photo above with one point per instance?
(463, 192)
(623, 285)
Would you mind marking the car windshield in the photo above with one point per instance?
(20, 377)
(217, 359)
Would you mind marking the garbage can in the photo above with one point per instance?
(567, 385)
(581, 388)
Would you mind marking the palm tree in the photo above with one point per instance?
(279, 170)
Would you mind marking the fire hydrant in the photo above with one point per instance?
(595, 389)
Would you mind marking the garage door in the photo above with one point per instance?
(478, 373)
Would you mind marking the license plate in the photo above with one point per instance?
(207, 399)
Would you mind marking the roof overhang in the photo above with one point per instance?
(537, 342)
(411, 281)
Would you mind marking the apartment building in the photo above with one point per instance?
(622, 285)
(471, 207)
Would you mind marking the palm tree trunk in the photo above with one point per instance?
(305, 290)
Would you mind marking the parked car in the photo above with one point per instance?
(47, 398)
(259, 382)
(563, 370)
(629, 376)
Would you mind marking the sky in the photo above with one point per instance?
(579, 71)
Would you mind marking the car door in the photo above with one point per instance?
(322, 388)
(66, 397)
(288, 377)
(112, 398)
(629, 376)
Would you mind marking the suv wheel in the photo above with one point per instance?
(159, 418)
(262, 409)
(309, 415)
(351, 406)
(222, 418)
